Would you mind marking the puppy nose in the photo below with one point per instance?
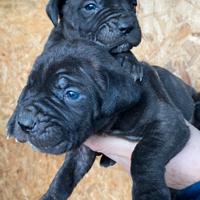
(27, 120)
(125, 25)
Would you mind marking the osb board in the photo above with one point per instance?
(171, 38)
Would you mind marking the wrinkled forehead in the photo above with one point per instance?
(45, 76)
(81, 58)
(47, 71)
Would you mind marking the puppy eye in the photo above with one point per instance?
(72, 95)
(90, 7)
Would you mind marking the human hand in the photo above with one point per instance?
(181, 171)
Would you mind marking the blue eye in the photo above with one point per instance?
(90, 7)
(72, 95)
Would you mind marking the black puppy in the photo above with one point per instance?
(112, 24)
(75, 92)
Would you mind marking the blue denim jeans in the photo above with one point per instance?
(190, 193)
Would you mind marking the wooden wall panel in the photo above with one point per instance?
(171, 38)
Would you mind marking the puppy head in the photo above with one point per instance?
(112, 23)
(67, 99)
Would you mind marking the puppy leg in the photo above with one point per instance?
(129, 62)
(75, 166)
(162, 140)
(106, 162)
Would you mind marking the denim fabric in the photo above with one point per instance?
(190, 193)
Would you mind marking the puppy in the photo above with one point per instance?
(112, 24)
(73, 94)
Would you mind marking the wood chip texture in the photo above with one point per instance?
(171, 38)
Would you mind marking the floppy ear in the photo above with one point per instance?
(54, 10)
(121, 93)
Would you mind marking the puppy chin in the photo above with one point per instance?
(58, 149)
(122, 48)
(19, 138)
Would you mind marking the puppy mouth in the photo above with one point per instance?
(47, 140)
(52, 142)
(118, 46)
(46, 146)
(126, 43)
(121, 48)
(117, 42)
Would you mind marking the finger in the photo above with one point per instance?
(111, 145)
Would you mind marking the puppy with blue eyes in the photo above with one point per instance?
(111, 24)
(79, 90)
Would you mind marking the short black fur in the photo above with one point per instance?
(112, 24)
(55, 121)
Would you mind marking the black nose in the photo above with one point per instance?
(26, 120)
(125, 24)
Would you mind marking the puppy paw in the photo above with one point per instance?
(137, 72)
(132, 66)
(106, 162)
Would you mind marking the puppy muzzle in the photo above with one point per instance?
(118, 30)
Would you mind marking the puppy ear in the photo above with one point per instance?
(121, 93)
(54, 10)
